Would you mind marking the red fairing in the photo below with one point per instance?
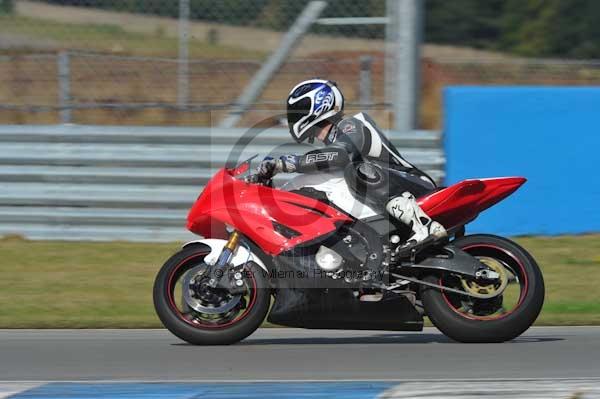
(459, 204)
(259, 212)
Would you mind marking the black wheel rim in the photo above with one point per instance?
(204, 320)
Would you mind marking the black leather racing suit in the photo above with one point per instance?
(358, 141)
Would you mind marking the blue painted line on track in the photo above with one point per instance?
(262, 390)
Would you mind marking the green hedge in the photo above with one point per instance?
(6, 6)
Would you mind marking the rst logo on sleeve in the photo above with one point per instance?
(321, 157)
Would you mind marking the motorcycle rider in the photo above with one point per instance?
(379, 174)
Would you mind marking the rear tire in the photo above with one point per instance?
(504, 327)
(208, 334)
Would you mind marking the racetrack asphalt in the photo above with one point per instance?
(278, 354)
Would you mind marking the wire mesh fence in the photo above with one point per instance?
(106, 89)
(120, 61)
(442, 72)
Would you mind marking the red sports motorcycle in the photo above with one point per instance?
(330, 262)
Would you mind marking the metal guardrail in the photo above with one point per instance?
(72, 182)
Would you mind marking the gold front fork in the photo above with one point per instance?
(225, 258)
(233, 241)
(228, 250)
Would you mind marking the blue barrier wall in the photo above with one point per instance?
(550, 135)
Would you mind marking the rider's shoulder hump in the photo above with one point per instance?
(349, 124)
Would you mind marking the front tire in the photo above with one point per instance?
(199, 329)
(490, 322)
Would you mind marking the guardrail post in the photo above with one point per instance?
(64, 86)
(390, 46)
(408, 18)
(183, 66)
(365, 85)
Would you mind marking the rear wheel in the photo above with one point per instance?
(201, 315)
(500, 318)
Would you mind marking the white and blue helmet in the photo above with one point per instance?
(311, 102)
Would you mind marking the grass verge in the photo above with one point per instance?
(45, 284)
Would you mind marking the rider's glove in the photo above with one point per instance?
(269, 167)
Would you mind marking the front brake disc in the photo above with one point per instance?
(190, 279)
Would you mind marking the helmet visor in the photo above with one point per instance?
(295, 112)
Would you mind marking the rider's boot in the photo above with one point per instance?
(405, 209)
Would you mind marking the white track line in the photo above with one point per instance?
(11, 388)
(540, 389)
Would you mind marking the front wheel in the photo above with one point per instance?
(201, 315)
(500, 318)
